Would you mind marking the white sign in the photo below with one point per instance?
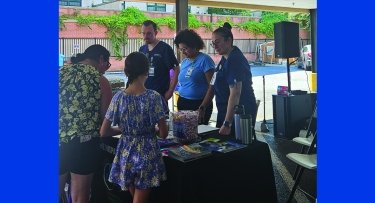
(269, 50)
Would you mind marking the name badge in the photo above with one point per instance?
(213, 79)
(151, 71)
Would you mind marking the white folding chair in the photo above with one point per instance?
(307, 161)
(306, 136)
(304, 161)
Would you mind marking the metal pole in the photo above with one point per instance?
(264, 99)
(288, 71)
(263, 126)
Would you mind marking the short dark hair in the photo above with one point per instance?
(93, 52)
(136, 64)
(225, 31)
(190, 38)
(150, 22)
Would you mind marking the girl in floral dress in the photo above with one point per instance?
(138, 165)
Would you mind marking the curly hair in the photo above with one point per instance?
(190, 38)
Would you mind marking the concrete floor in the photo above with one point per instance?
(284, 168)
(299, 81)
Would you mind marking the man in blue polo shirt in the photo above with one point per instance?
(162, 59)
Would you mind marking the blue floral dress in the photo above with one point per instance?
(138, 162)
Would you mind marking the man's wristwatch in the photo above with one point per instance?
(227, 124)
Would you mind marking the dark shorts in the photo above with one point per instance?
(79, 158)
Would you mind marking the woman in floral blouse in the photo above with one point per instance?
(138, 165)
(84, 96)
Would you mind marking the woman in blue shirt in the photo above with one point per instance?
(195, 75)
(231, 83)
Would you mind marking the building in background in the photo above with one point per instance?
(119, 5)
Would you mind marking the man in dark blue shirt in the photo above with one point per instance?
(162, 60)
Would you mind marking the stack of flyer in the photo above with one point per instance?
(189, 152)
(215, 145)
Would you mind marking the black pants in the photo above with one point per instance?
(189, 104)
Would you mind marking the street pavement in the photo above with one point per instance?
(275, 75)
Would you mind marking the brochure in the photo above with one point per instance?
(189, 152)
(221, 146)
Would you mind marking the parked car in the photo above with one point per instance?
(304, 61)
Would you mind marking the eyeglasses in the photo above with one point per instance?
(109, 64)
(183, 49)
(215, 43)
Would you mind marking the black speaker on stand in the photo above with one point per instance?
(286, 43)
(288, 110)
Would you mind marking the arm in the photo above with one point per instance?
(163, 131)
(173, 83)
(105, 97)
(209, 95)
(106, 130)
(210, 91)
(234, 99)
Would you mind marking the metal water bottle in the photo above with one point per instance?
(238, 111)
(246, 129)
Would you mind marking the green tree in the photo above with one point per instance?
(117, 24)
(302, 18)
(227, 11)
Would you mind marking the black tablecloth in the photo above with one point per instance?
(244, 175)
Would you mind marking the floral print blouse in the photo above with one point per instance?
(79, 102)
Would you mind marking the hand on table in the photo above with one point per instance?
(224, 130)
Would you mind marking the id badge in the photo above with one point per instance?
(151, 71)
(213, 79)
(189, 72)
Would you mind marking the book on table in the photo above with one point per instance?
(189, 152)
(215, 145)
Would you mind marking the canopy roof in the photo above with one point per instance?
(271, 5)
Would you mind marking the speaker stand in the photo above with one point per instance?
(263, 126)
(288, 72)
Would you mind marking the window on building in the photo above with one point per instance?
(156, 7)
(70, 2)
